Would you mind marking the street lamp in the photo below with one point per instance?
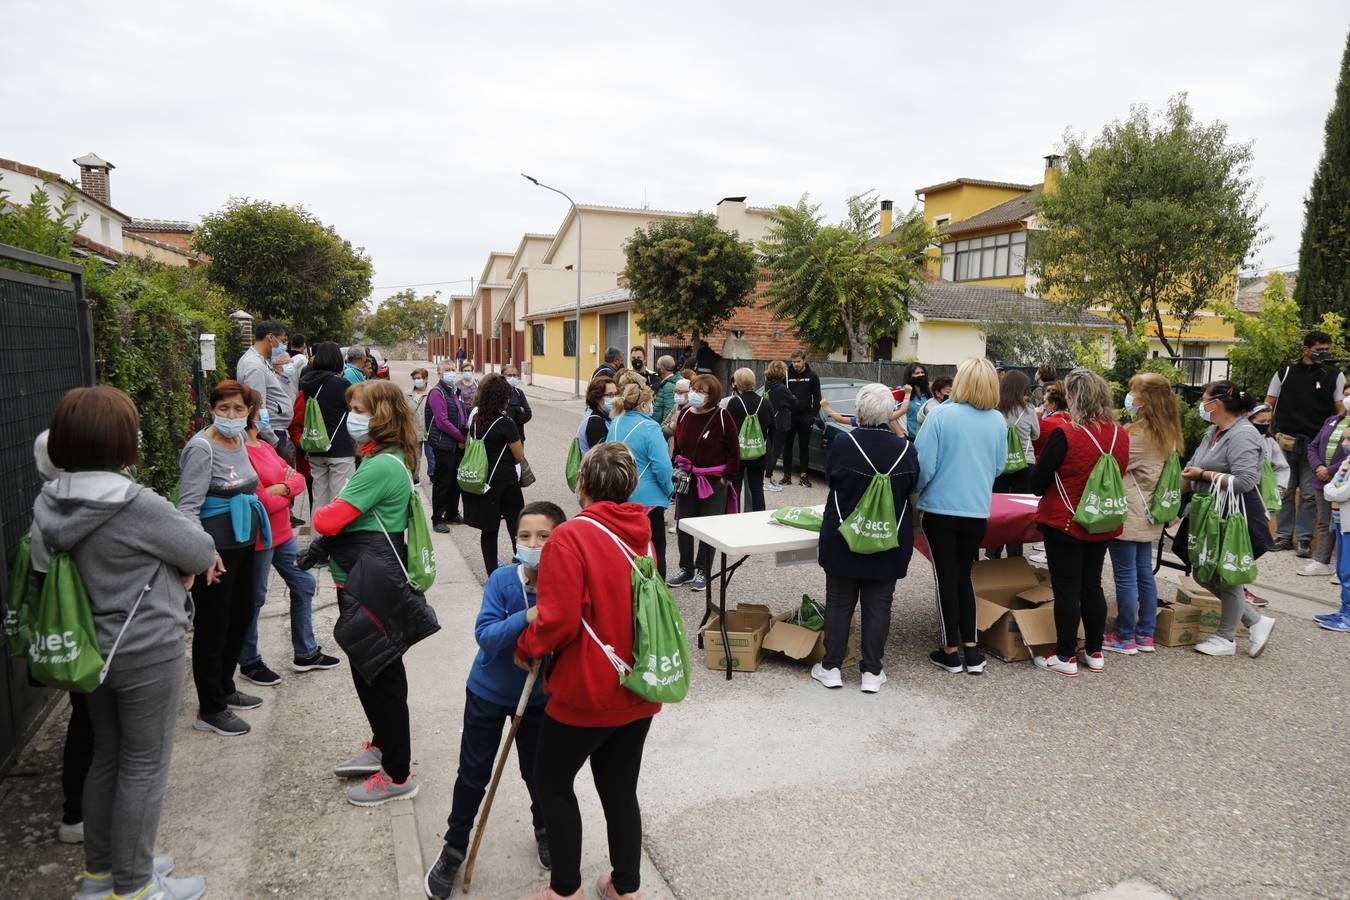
(576, 378)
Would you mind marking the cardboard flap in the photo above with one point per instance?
(792, 641)
(745, 617)
(1036, 625)
(1000, 580)
(987, 613)
(1042, 593)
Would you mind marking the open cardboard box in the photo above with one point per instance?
(1014, 611)
(1178, 625)
(805, 645)
(747, 625)
(1210, 608)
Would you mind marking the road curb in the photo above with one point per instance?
(408, 864)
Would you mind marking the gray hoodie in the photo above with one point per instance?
(146, 545)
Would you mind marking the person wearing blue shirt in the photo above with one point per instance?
(634, 427)
(494, 689)
(962, 446)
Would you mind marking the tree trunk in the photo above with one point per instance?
(1162, 336)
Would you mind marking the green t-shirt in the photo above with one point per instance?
(381, 486)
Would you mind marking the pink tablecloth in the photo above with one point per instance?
(1012, 520)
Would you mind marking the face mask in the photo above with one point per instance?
(264, 420)
(1204, 411)
(419, 382)
(697, 399)
(1321, 355)
(529, 556)
(681, 399)
(637, 362)
(608, 404)
(1130, 406)
(358, 426)
(278, 352)
(289, 371)
(513, 381)
(448, 378)
(1265, 428)
(230, 428)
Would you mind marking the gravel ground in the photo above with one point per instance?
(1185, 772)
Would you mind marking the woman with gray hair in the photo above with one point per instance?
(1073, 554)
(852, 462)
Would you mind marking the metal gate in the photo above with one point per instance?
(46, 341)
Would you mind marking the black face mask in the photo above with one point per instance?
(1263, 429)
(637, 362)
(1321, 355)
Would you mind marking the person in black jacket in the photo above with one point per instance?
(502, 500)
(706, 359)
(746, 402)
(869, 578)
(322, 379)
(518, 407)
(380, 614)
(782, 402)
(805, 387)
(611, 366)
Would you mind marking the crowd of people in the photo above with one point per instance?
(932, 454)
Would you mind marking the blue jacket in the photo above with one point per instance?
(495, 677)
(961, 451)
(850, 474)
(642, 435)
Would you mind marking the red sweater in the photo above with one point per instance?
(271, 470)
(1049, 425)
(582, 574)
(1073, 470)
(709, 439)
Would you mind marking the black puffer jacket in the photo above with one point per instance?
(380, 615)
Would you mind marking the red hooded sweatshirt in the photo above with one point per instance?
(583, 574)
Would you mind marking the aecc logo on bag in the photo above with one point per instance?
(41, 647)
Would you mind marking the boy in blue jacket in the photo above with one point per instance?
(495, 684)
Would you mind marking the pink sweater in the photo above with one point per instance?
(272, 469)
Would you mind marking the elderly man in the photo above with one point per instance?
(445, 434)
(355, 370)
(518, 407)
(663, 387)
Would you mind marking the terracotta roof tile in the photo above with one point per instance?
(975, 182)
(1010, 212)
(949, 301)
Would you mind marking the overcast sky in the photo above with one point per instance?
(405, 124)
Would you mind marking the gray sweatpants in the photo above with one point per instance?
(1234, 606)
(133, 715)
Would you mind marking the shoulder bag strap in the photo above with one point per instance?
(394, 549)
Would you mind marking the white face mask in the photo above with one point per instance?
(696, 399)
(681, 399)
(1203, 407)
(358, 426)
(529, 556)
(1130, 406)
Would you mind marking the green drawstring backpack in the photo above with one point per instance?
(807, 517)
(1269, 488)
(1236, 564)
(1166, 504)
(753, 444)
(872, 526)
(1103, 506)
(573, 468)
(1202, 539)
(1016, 459)
(810, 615)
(421, 571)
(314, 437)
(24, 588)
(473, 474)
(660, 669)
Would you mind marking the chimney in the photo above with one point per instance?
(1054, 165)
(731, 214)
(94, 177)
(886, 215)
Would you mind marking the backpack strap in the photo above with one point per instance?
(629, 554)
(394, 549)
(112, 651)
(875, 470)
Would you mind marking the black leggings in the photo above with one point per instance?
(616, 761)
(953, 544)
(1076, 576)
(505, 506)
(224, 611)
(385, 701)
(657, 517)
(801, 435)
(752, 494)
(75, 760)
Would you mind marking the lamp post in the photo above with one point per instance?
(576, 378)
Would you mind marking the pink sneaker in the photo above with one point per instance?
(1144, 644)
(1113, 643)
(604, 886)
(548, 893)
(1255, 599)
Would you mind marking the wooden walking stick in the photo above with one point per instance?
(502, 756)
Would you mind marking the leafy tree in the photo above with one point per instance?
(841, 285)
(404, 317)
(687, 276)
(280, 262)
(1273, 337)
(1324, 254)
(41, 226)
(1150, 220)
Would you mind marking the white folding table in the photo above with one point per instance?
(743, 535)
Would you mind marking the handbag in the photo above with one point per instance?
(527, 476)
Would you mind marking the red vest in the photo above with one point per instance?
(1073, 474)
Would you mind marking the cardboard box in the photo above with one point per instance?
(1190, 591)
(1178, 625)
(747, 625)
(1209, 606)
(1014, 611)
(805, 645)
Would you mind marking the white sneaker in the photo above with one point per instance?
(772, 487)
(1096, 662)
(1053, 663)
(828, 677)
(1216, 646)
(1317, 569)
(1037, 559)
(872, 683)
(1335, 579)
(1258, 635)
(70, 834)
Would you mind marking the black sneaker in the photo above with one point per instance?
(240, 700)
(683, 576)
(948, 662)
(441, 528)
(444, 872)
(259, 674)
(1283, 544)
(804, 481)
(1304, 549)
(974, 660)
(317, 660)
(541, 841)
(225, 724)
(699, 582)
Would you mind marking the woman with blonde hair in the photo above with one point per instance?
(962, 447)
(745, 402)
(1155, 434)
(380, 615)
(634, 427)
(1074, 554)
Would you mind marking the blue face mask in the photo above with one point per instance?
(529, 556)
(1130, 406)
(278, 352)
(264, 420)
(609, 404)
(230, 428)
(697, 399)
(419, 383)
(449, 379)
(513, 381)
(358, 426)
(289, 371)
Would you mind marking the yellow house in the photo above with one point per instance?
(985, 227)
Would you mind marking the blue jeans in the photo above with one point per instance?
(1343, 565)
(1136, 591)
(478, 743)
(1303, 482)
(430, 456)
(301, 584)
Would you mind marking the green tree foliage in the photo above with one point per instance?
(41, 226)
(280, 262)
(1273, 337)
(1150, 220)
(841, 285)
(1324, 254)
(687, 276)
(404, 317)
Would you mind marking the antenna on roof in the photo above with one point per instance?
(645, 204)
